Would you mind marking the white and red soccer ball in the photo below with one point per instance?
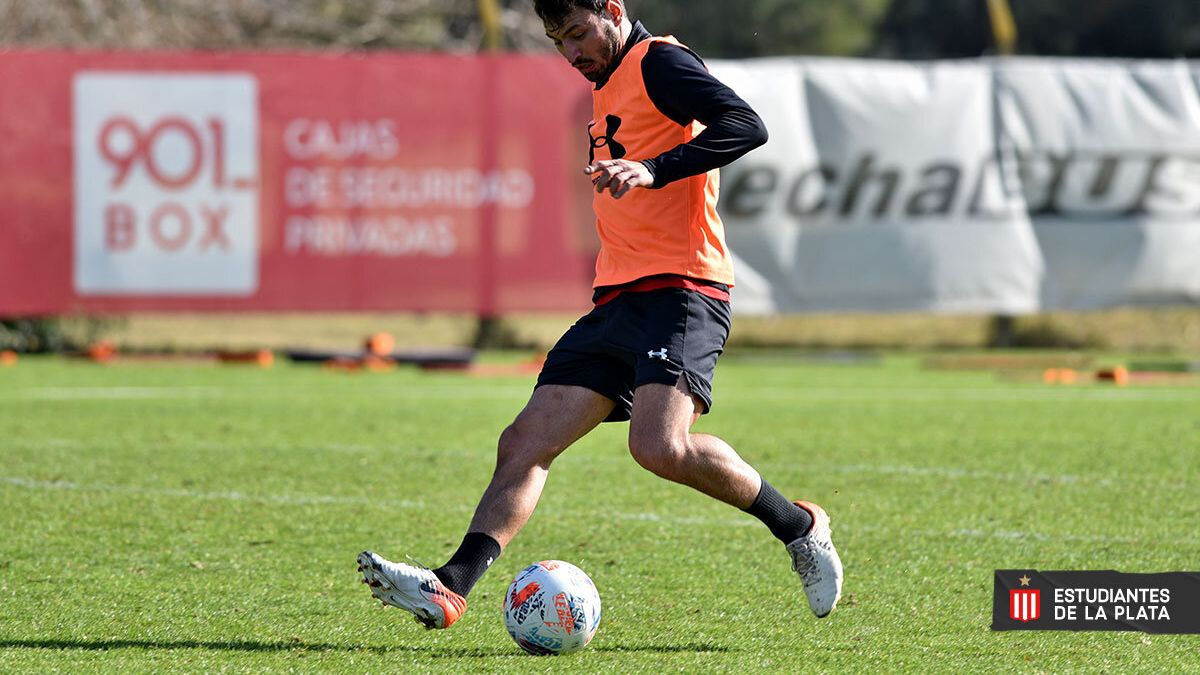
(552, 608)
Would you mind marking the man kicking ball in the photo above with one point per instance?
(661, 128)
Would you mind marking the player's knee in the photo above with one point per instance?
(518, 447)
(511, 447)
(658, 454)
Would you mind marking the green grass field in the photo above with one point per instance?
(197, 518)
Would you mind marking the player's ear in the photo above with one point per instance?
(616, 9)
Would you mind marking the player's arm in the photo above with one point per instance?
(683, 90)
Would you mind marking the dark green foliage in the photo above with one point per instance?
(40, 335)
(32, 335)
(1124, 28)
(722, 29)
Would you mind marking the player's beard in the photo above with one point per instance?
(612, 40)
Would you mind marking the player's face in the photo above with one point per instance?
(590, 42)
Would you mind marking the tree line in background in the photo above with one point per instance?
(715, 28)
(450, 25)
(1097, 28)
(718, 28)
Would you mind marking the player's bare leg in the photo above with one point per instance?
(660, 439)
(555, 417)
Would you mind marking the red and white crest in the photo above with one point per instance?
(1024, 604)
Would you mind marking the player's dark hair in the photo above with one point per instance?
(554, 12)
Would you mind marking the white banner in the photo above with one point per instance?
(166, 184)
(1002, 186)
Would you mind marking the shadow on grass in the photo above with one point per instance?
(242, 646)
(296, 646)
(693, 648)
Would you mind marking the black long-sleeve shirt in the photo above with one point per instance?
(683, 90)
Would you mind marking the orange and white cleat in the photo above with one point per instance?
(411, 588)
(816, 561)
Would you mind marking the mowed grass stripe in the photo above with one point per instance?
(937, 474)
(796, 392)
(377, 504)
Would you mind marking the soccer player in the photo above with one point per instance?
(662, 126)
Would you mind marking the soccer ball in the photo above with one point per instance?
(552, 608)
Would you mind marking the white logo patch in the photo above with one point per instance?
(660, 354)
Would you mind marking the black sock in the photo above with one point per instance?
(474, 556)
(786, 521)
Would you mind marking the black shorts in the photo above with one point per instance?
(643, 337)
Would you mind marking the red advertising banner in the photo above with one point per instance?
(198, 181)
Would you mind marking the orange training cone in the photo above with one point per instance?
(380, 344)
(1118, 375)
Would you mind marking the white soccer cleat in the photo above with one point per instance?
(411, 588)
(817, 563)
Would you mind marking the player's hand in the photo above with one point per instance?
(619, 176)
